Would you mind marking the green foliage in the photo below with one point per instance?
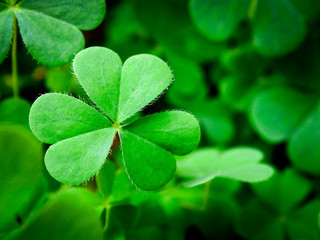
(239, 163)
(21, 173)
(54, 222)
(277, 209)
(49, 30)
(82, 136)
(218, 19)
(247, 70)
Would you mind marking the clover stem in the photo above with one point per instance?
(252, 8)
(14, 59)
(206, 194)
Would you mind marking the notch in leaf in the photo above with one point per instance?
(49, 29)
(82, 135)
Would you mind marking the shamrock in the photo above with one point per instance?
(49, 29)
(281, 210)
(82, 135)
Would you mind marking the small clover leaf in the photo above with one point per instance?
(241, 163)
(49, 29)
(82, 135)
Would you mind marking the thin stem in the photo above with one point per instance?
(206, 195)
(14, 59)
(252, 8)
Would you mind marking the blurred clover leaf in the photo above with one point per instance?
(218, 20)
(49, 29)
(62, 217)
(284, 114)
(21, 175)
(241, 163)
(281, 210)
(82, 135)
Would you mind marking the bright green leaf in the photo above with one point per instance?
(54, 117)
(278, 28)
(83, 14)
(98, 70)
(50, 41)
(6, 17)
(176, 131)
(75, 160)
(217, 19)
(149, 167)
(277, 112)
(144, 77)
(240, 163)
(304, 150)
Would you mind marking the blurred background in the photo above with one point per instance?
(249, 70)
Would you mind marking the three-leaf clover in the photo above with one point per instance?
(82, 135)
(49, 29)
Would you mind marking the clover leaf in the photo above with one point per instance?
(280, 210)
(241, 163)
(82, 135)
(49, 29)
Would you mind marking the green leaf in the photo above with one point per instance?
(15, 110)
(49, 40)
(144, 77)
(277, 112)
(303, 148)
(122, 188)
(277, 37)
(189, 84)
(75, 160)
(21, 172)
(302, 224)
(242, 164)
(60, 79)
(83, 14)
(105, 179)
(280, 193)
(217, 19)
(6, 19)
(149, 167)
(55, 117)
(68, 215)
(176, 131)
(98, 70)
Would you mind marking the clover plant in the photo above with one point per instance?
(82, 135)
(49, 29)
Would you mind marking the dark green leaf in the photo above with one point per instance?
(15, 110)
(83, 14)
(6, 17)
(304, 150)
(217, 19)
(277, 112)
(68, 215)
(278, 28)
(50, 41)
(21, 171)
